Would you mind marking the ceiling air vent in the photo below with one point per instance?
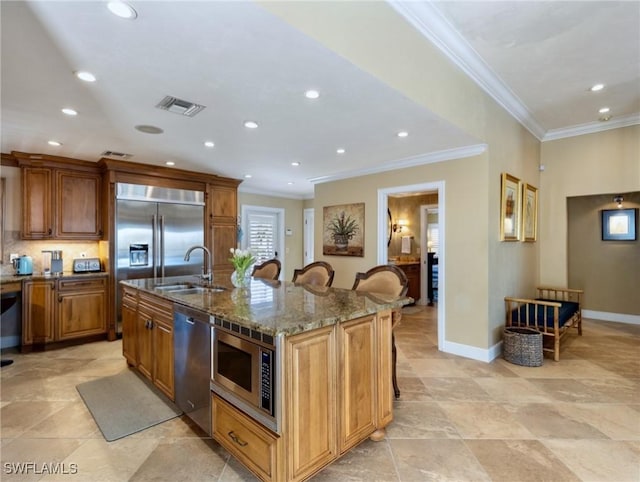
(179, 106)
(119, 155)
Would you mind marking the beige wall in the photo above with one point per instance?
(293, 213)
(480, 270)
(604, 162)
(611, 276)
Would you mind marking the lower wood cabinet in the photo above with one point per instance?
(63, 309)
(253, 445)
(82, 306)
(336, 392)
(38, 313)
(147, 338)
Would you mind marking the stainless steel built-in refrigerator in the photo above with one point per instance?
(154, 229)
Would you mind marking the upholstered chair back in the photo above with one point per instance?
(318, 273)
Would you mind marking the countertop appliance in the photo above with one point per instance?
(86, 265)
(23, 265)
(192, 364)
(155, 227)
(52, 261)
(243, 370)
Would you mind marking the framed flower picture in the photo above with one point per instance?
(510, 213)
(529, 213)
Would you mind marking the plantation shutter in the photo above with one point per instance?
(261, 236)
(433, 238)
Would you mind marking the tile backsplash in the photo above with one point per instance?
(70, 250)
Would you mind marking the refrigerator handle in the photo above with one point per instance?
(161, 250)
(154, 241)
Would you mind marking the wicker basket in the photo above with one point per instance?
(523, 346)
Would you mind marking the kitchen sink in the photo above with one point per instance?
(189, 289)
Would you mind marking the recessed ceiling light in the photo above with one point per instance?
(604, 118)
(86, 76)
(209, 144)
(122, 10)
(596, 87)
(295, 163)
(54, 143)
(340, 151)
(403, 134)
(149, 129)
(604, 110)
(290, 183)
(170, 163)
(69, 111)
(247, 176)
(312, 94)
(251, 124)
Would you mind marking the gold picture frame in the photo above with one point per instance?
(529, 213)
(343, 233)
(510, 210)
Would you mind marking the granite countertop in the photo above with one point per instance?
(13, 278)
(274, 307)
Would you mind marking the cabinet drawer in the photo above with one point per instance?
(156, 304)
(81, 284)
(130, 298)
(252, 444)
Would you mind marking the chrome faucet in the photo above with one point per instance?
(208, 275)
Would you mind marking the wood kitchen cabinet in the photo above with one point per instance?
(61, 204)
(82, 306)
(129, 322)
(223, 211)
(412, 270)
(38, 313)
(154, 342)
(337, 392)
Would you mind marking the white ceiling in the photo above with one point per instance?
(243, 63)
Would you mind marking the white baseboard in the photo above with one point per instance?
(604, 316)
(9, 341)
(473, 352)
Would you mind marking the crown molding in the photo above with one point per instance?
(431, 23)
(591, 127)
(430, 158)
(265, 192)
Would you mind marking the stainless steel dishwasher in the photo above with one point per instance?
(192, 364)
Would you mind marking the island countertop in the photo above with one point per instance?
(272, 307)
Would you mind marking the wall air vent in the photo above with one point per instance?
(118, 155)
(179, 106)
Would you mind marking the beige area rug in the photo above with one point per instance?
(126, 403)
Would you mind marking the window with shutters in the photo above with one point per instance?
(433, 238)
(263, 232)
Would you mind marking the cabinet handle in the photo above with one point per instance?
(237, 439)
(59, 299)
(148, 324)
(50, 231)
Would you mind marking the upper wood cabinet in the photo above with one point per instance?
(61, 203)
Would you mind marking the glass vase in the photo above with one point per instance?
(241, 278)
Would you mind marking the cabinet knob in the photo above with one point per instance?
(50, 231)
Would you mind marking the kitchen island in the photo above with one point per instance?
(329, 353)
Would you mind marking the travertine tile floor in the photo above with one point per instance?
(456, 420)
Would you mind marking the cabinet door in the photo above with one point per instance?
(163, 355)
(129, 343)
(37, 221)
(357, 384)
(310, 401)
(144, 336)
(78, 205)
(82, 307)
(224, 238)
(38, 312)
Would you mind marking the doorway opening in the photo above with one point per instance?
(384, 225)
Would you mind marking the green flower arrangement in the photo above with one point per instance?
(242, 260)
